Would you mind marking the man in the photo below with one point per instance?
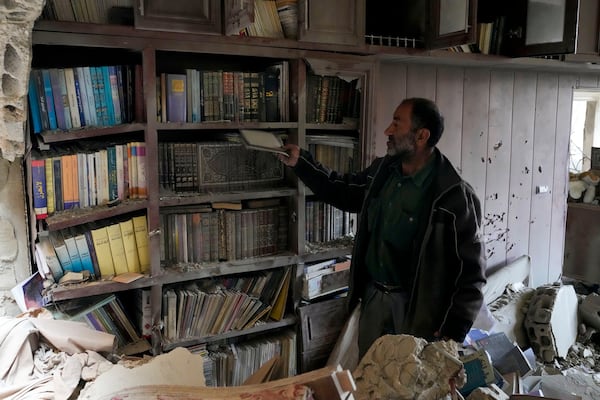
(417, 262)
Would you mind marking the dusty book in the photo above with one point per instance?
(262, 141)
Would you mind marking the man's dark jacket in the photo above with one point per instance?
(447, 263)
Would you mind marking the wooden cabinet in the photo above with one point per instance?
(202, 16)
(426, 24)
(339, 21)
(546, 27)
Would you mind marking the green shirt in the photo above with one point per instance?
(393, 219)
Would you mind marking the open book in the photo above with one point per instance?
(262, 140)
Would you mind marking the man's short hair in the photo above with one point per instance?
(425, 114)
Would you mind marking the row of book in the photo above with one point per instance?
(218, 235)
(89, 11)
(233, 364)
(336, 152)
(68, 98)
(80, 178)
(103, 251)
(106, 315)
(325, 223)
(218, 95)
(331, 99)
(215, 166)
(207, 307)
(325, 277)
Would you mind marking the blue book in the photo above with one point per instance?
(83, 121)
(61, 99)
(113, 186)
(73, 254)
(108, 95)
(38, 178)
(176, 98)
(84, 254)
(99, 99)
(49, 99)
(34, 106)
(114, 93)
(39, 87)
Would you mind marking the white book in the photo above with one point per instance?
(72, 95)
(83, 96)
(262, 140)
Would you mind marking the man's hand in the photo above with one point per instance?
(293, 155)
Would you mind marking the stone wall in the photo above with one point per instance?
(16, 23)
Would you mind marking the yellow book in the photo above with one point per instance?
(103, 253)
(131, 253)
(117, 248)
(140, 229)
(278, 309)
(49, 169)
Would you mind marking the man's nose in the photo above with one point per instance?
(388, 131)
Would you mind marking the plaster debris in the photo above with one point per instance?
(491, 392)
(551, 321)
(8, 242)
(405, 367)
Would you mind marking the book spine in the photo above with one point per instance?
(73, 254)
(93, 256)
(49, 99)
(84, 253)
(103, 252)
(34, 105)
(72, 96)
(113, 186)
(59, 101)
(129, 244)
(38, 177)
(91, 116)
(176, 98)
(110, 110)
(58, 196)
(140, 229)
(49, 169)
(114, 91)
(117, 249)
(41, 98)
(82, 105)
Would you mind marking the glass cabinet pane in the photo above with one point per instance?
(454, 16)
(545, 21)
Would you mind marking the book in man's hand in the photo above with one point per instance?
(262, 141)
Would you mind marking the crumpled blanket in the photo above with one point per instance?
(45, 358)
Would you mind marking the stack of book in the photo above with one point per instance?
(107, 315)
(224, 95)
(331, 99)
(79, 178)
(215, 166)
(67, 98)
(206, 308)
(103, 251)
(94, 11)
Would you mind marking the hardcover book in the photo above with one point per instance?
(262, 140)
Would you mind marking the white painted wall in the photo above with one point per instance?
(507, 131)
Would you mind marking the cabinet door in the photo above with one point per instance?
(202, 16)
(339, 21)
(451, 23)
(546, 27)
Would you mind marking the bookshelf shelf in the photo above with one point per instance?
(225, 125)
(189, 271)
(264, 327)
(87, 133)
(326, 251)
(94, 288)
(346, 126)
(78, 216)
(195, 198)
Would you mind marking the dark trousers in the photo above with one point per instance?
(382, 312)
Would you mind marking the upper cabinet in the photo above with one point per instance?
(421, 23)
(546, 27)
(201, 16)
(337, 22)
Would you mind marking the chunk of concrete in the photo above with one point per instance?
(515, 271)
(551, 321)
(590, 310)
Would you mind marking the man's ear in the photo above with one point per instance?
(423, 135)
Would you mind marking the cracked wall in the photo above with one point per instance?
(16, 24)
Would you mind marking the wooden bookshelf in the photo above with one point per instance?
(153, 50)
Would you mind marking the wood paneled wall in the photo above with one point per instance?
(507, 133)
